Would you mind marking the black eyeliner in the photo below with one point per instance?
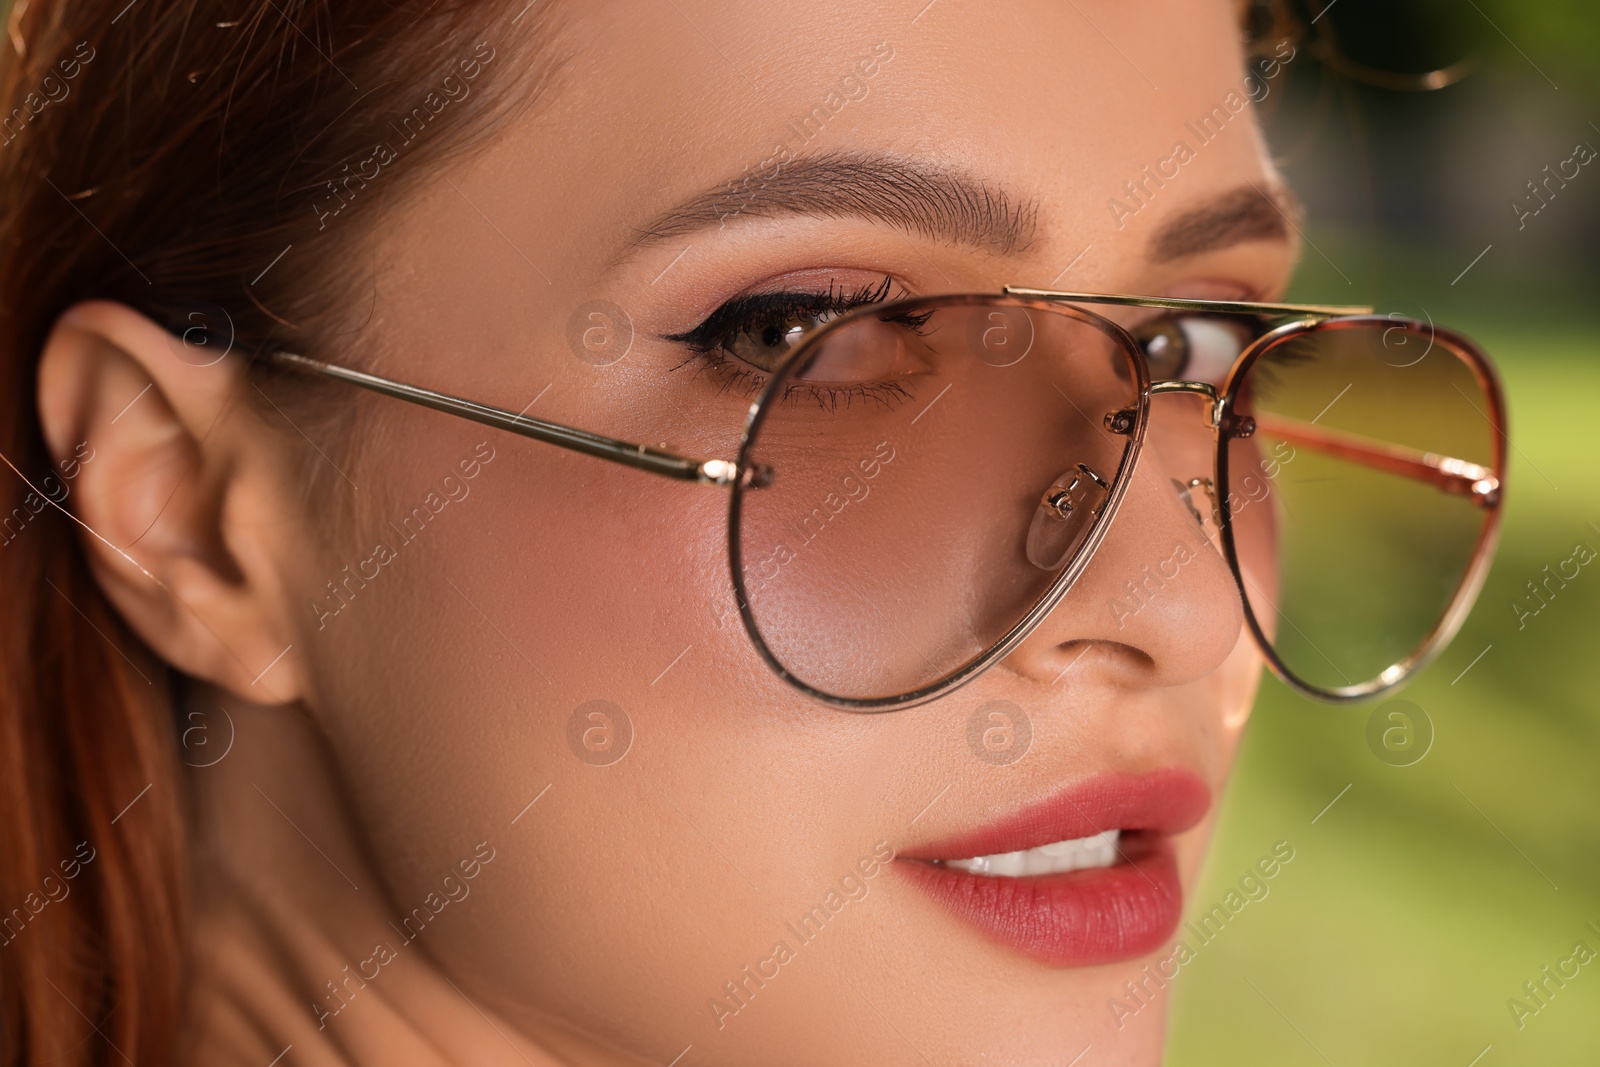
(744, 312)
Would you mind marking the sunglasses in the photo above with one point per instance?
(919, 482)
(1398, 45)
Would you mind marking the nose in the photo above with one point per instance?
(1157, 597)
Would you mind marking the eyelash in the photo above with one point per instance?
(708, 342)
(1285, 354)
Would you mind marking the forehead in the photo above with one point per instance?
(1056, 103)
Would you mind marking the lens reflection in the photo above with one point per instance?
(906, 522)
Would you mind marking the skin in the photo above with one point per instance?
(376, 752)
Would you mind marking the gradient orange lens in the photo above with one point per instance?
(1362, 509)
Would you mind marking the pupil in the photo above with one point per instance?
(773, 336)
(1166, 349)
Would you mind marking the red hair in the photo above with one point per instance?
(160, 153)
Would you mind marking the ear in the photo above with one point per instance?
(170, 472)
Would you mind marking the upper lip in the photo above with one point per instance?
(1166, 801)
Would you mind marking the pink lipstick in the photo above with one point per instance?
(1085, 876)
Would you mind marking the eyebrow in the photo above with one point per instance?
(946, 205)
(1244, 214)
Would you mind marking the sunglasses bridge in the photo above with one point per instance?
(1216, 413)
(1074, 501)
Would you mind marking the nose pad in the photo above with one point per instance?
(1064, 516)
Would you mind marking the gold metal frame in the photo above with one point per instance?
(718, 471)
(654, 460)
(1446, 473)
(1119, 481)
(1451, 475)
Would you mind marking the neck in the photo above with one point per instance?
(296, 943)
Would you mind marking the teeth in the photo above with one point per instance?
(1097, 851)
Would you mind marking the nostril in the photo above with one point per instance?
(1066, 513)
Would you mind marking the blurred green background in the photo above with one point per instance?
(1423, 899)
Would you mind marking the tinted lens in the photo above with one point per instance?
(1360, 504)
(898, 527)
(1396, 44)
(1393, 44)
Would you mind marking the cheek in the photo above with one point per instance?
(1230, 694)
(562, 590)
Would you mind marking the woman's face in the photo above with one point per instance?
(707, 861)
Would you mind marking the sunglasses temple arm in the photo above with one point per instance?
(1457, 477)
(654, 460)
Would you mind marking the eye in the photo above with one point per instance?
(1195, 347)
(764, 344)
(759, 332)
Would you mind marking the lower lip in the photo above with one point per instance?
(1073, 919)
